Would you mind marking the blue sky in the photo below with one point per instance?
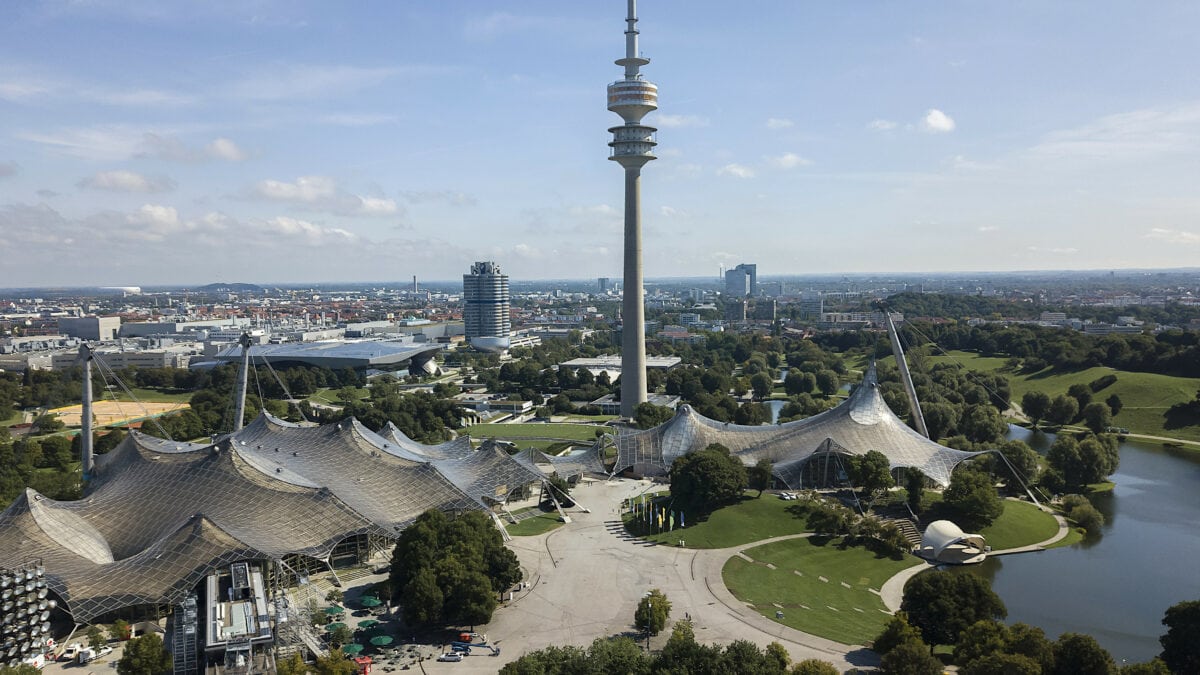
(151, 142)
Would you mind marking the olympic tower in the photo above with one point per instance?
(632, 146)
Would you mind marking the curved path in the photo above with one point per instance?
(587, 577)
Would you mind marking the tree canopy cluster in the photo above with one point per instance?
(451, 569)
(705, 480)
(682, 655)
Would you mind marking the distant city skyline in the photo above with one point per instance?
(163, 143)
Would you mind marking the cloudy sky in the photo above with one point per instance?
(150, 142)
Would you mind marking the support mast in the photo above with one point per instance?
(86, 450)
(905, 376)
(243, 378)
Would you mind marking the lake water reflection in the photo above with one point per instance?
(1115, 587)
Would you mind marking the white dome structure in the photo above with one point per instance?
(945, 542)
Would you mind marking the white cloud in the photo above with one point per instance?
(321, 193)
(680, 121)
(788, 160)
(1173, 236)
(223, 148)
(375, 206)
(156, 216)
(307, 232)
(104, 143)
(126, 181)
(306, 189)
(448, 197)
(988, 228)
(140, 98)
(281, 81)
(881, 125)
(1065, 250)
(937, 122)
(778, 123)
(961, 163)
(1128, 135)
(736, 170)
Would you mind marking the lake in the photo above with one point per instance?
(1117, 586)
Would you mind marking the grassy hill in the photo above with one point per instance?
(1146, 396)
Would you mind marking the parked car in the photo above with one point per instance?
(450, 656)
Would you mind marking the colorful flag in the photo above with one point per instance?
(681, 519)
(671, 522)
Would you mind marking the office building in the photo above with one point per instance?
(486, 312)
(742, 280)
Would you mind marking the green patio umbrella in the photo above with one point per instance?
(368, 623)
(334, 626)
(352, 649)
(369, 601)
(381, 640)
(334, 610)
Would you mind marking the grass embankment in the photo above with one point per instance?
(820, 588)
(747, 521)
(1020, 524)
(539, 524)
(1145, 396)
(328, 396)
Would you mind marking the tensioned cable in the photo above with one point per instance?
(283, 386)
(958, 362)
(153, 420)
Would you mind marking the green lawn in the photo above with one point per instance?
(1021, 524)
(568, 432)
(841, 608)
(1145, 396)
(329, 396)
(539, 524)
(747, 521)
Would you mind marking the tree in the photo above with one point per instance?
(335, 595)
(145, 655)
(760, 475)
(1076, 654)
(335, 664)
(96, 637)
(293, 665)
(1097, 417)
(827, 382)
(341, 635)
(1151, 667)
(1181, 649)
(943, 604)
(1081, 393)
(914, 485)
(1114, 404)
(980, 639)
(120, 629)
(910, 657)
(999, 663)
(941, 419)
(704, 480)
(871, 471)
(1022, 459)
(1030, 641)
(895, 631)
(761, 385)
(1035, 404)
(1062, 409)
(652, 612)
(972, 499)
(799, 383)
(648, 415)
(813, 667)
(982, 424)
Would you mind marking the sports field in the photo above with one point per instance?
(114, 413)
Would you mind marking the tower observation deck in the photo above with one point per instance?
(632, 147)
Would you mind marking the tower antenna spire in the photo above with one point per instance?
(632, 147)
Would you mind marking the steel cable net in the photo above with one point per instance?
(160, 515)
(858, 425)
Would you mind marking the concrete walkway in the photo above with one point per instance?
(587, 577)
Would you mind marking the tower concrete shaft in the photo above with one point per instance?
(243, 379)
(632, 147)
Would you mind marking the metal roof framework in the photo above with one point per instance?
(160, 515)
(858, 425)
